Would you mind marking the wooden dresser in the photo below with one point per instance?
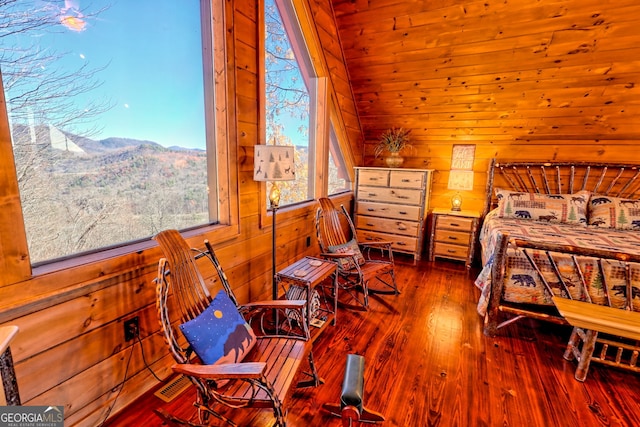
(392, 205)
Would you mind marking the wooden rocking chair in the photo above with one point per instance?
(357, 270)
(264, 378)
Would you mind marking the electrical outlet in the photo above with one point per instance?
(131, 329)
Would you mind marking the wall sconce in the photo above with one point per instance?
(273, 163)
(459, 180)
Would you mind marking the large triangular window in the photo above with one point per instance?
(289, 97)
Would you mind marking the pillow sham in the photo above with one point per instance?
(614, 212)
(350, 246)
(219, 334)
(557, 208)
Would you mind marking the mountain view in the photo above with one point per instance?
(72, 186)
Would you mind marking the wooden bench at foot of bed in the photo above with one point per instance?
(588, 320)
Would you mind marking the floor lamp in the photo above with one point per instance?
(273, 163)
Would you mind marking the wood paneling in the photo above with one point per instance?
(524, 80)
(14, 258)
(328, 35)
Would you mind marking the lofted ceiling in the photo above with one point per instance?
(508, 75)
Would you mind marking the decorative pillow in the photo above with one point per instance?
(559, 208)
(614, 212)
(219, 334)
(350, 246)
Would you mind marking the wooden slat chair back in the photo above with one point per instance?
(334, 227)
(267, 375)
(332, 231)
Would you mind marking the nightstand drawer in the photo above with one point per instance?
(451, 251)
(453, 237)
(393, 195)
(406, 228)
(373, 177)
(398, 243)
(454, 222)
(406, 179)
(411, 213)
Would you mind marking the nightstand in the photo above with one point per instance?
(453, 235)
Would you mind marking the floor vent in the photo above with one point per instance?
(173, 388)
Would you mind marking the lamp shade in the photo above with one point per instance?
(273, 163)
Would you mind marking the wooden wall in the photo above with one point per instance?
(70, 349)
(520, 79)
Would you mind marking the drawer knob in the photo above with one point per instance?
(371, 210)
(401, 244)
(453, 224)
(401, 226)
(372, 194)
(453, 238)
(369, 224)
(451, 251)
(402, 213)
(406, 180)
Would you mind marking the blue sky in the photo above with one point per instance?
(152, 50)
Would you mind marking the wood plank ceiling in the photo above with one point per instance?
(518, 78)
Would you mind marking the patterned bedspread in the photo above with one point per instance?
(583, 277)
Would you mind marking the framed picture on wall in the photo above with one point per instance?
(462, 157)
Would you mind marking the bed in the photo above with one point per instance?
(563, 230)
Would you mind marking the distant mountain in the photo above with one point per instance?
(109, 144)
(176, 148)
(43, 136)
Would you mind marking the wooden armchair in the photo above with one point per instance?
(357, 269)
(11, 395)
(264, 378)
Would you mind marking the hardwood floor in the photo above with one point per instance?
(427, 363)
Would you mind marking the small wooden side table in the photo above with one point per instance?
(453, 235)
(308, 273)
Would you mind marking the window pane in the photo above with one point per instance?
(287, 86)
(106, 110)
(338, 177)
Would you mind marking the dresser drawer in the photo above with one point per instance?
(411, 213)
(373, 177)
(406, 228)
(454, 222)
(398, 243)
(406, 179)
(451, 251)
(453, 237)
(393, 195)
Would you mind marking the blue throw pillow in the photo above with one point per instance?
(219, 334)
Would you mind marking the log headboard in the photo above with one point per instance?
(613, 179)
